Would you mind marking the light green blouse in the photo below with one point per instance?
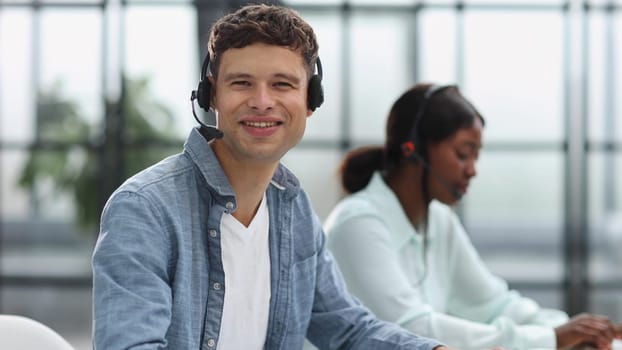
(458, 301)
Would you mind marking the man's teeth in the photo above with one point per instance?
(261, 124)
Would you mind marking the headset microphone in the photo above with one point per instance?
(203, 95)
(209, 132)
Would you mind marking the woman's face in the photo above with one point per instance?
(452, 163)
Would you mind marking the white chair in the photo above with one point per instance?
(22, 333)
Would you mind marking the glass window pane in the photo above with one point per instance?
(514, 185)
(165, 55)
(514, 213)
(605, 2)
(71, 65)
(381, 69)
(14, 200)
(607, 302)
(516, 2)
(312, 2)
(427, 2)
(317, 172)
(514, 73)
(385, 2)
(16, 81)
(325, 122)
(617, 38)
(605, 215)
(597, 70)
(51, 185)
(437, 41)
(39, 249)
(604, 90)
(50, 201)
(51, 217)
(94, 2)
(145, 117)
(167, 2)
(618, 78)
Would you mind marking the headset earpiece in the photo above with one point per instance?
(411, 148)
(204, 89)
(408, 149)
(315, 91)
(204, 94)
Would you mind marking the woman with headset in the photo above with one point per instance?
(404, 252)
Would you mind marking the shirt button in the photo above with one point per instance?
(213, 233)
(217, 286)
(211, 343)
(229, 205)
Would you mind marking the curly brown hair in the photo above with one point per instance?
(268, 24)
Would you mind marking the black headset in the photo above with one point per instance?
(412, 147)
(315, 91)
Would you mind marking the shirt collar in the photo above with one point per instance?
(204, 158)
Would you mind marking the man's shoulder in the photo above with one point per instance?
(167, 186)
(161, 174)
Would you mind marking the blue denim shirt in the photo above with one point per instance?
(158, 279)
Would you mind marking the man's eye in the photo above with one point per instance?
(283, 84)
(240, 83)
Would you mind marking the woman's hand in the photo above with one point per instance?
(595, 330)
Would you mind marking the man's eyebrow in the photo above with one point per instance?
(236, 75)
(240, 75)
(290, 77)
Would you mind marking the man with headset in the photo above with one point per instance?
(218, 247)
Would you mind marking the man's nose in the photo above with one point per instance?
(262, 97)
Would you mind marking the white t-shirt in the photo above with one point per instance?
(246, 262)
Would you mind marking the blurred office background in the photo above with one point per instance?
(91, 91)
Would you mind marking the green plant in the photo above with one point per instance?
(70, 155)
